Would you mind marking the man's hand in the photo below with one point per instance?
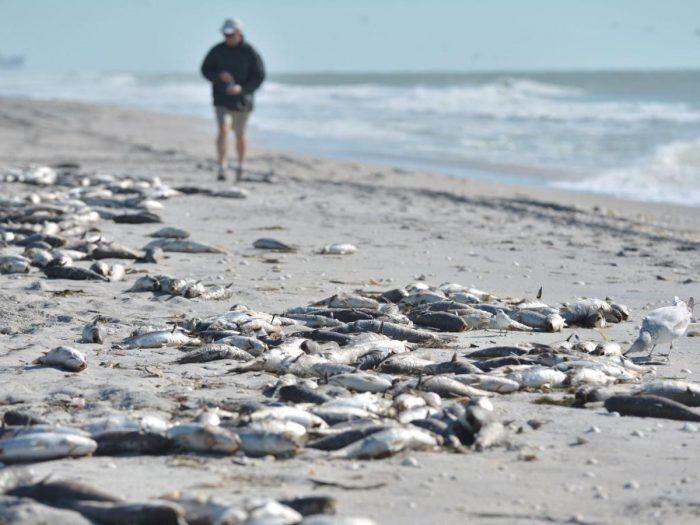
(233, 90)
(226, 77)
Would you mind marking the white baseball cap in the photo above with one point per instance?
(231, 25)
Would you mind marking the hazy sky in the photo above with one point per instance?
(356, 35)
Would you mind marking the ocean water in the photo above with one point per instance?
(630, 134)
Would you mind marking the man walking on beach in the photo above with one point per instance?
(235, 71)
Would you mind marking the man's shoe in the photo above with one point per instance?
(222, 173)
(239, 173)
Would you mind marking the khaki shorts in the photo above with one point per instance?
(228, 118)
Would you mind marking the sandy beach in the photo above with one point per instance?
(579, 466)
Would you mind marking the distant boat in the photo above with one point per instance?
(11, 61)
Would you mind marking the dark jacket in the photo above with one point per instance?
(246, 67)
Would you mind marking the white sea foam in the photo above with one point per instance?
(671, 174)
(592, 123)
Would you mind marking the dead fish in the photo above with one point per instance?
(42, 429)
(453, 366)
(498, 362)
(592, 394)
(196, 437)
(23, 419)
(301, 394)
(316, 321)
(489, 383)
(231, 193)
(143, 217)
(538, 321)
(651, 406)
(100, 268)
(64, 357)
(445, 386)
(93, 333)
(502, 322)
(394, 296)
(537, 377)
(589, 376)
(156, 512)
(251, 345)
(60, 493)
(208, 417)
(151, 255)
(680, 391)
(273, 244)
(361, 382)
(148, 423)
(117, 442)
(289, 413)
(52, 240)
(334, 414)
(407, 401)
(326, 336)
(159, 338)
(339, 249)
(394, 331)
(214, 352)
(373, 358)
(113, 251)
(117, 272)
(587, 313)
(465, 297)
(422, 297)
(497, 351)
(61, 260)
(200, 510)
(620, 311)
(38, 257)
(442, 321)
(43, 446)
(263, 511)
(404, 364)
(387, 442)
(74, 273)
(271, 437)
(344, 438)
(490, 435)
(147, 283)
(169, 232)
(182, 245)
(609, 348)
(76, 255)
(417, 413)
(347, 300)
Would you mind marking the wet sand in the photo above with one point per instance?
(508, 240)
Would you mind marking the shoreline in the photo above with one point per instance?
(486, 173)
(408, 226)
(206, 135)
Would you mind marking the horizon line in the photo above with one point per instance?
(328, 72)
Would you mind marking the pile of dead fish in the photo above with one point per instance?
(63, 501)
(56, 225)
(354, 376)
(188, 288)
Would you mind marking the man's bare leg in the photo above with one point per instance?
(240, 150)
(221, 150)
